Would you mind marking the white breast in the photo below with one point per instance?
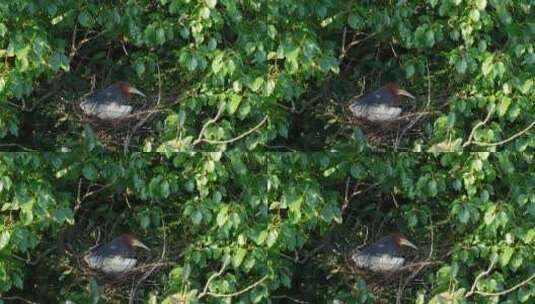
(106, 111)
(378, 263)
(375, 113)
(110, 265)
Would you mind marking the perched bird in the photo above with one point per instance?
(381, 105)
(383, 255)
(110, 103)
(116, 257)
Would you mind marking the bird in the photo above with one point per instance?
(381, 105)
(116, 257)
(383, 255)
(110, 103)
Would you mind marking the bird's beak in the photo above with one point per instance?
(137, 243)
(405, 93)
(406, 242)
(133, 90)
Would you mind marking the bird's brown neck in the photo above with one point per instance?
(125, 88)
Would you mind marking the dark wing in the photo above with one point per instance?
(383, 246)
(381, 96)
(110, 95)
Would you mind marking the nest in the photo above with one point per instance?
(389, 134)
(118, 132)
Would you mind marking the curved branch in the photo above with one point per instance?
(505, 140)
(237, 293)
(228, 141)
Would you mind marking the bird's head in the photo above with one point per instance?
(128, 90)
(400, 240)
(132, 241)
(397, 92)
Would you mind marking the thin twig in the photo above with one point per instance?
(501, 293)
(419, 115)
(291, 299)
(421, 266)
(148, 273)
(505, 140)
(477, 126)
(237, 293)
(144, 119)
(211, 278)
(208, 123)
(479, 276)
(228, 141)
(18, 146)
(15, 298)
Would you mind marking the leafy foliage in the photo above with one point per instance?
(244, 214)
(255, 76)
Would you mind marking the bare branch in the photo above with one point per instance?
(479, 276)
(505, 140)
(208, 123)
(501, 293)
(228, 141)
(212, 277)
(237, 293)
(477, 126)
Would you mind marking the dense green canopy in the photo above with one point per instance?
(265, 183)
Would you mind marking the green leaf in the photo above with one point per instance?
(487, 65)
(4, 238)
(222, 216)
(354, 21)
(238, 257)
(506, 255)
(272, 238)
(85, 19)
(89, 137)
(461, 66)
(256, 84)
(464, 215)
(59, 60)
(234, 103)
(90, 172)
(503, 106)
(211, 3)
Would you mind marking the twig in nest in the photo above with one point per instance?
(419, 115)
(148, 273)
(144, 119)
(420, 268)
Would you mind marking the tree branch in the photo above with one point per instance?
(505, 140)
(228, 141)
(237, 293)
(207, 124)
(477, 126)
(479, 276)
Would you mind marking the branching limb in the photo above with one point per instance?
(200, 138)
(479, 277)
(505, 140)
(237, 293)
(477, 126)
(501, 293)
(210, 279)
(228, 141)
